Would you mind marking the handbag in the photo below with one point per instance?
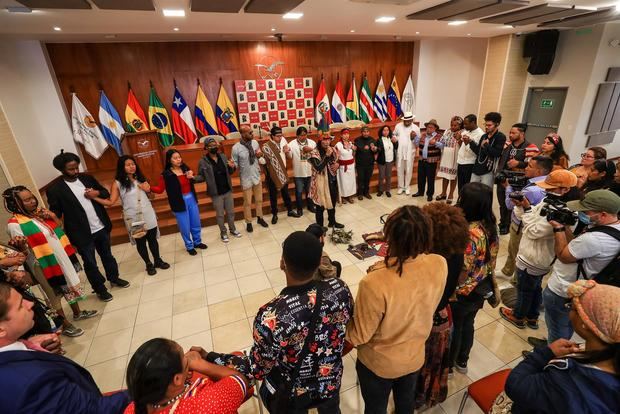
(136, 225)
(277, 389)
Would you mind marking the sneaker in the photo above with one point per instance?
(224, 237)
(274, 219)
(531, 323)
(462, 368)
(72, 331)
(105, 296)
(507, 314)
(85, 314)
(388, 194)
(122, 283)
(536, 342)
(249, 228)
(407, 191)
(160, 264)
(400, 191)
(236, 234)
(150, 269)
(292, 213)
(192, 252)
(201, 246)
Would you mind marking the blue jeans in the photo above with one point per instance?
(302, 184)
(556, 316)
(189, 222)
(99, 242)
(529, 295)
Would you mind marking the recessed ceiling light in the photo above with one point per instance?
(385, 19)
(58, 29)
(176, 29)
(417, 32)
(273, 29)
(506, 26)
(18, 9)
(293, 16)
(352, 30)
(457, 22)
(468, 34)
(174, 12)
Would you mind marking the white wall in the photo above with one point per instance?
(33, 107)
(447, 76)
(580, 64)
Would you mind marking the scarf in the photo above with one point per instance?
(248, 146)
(42, 251)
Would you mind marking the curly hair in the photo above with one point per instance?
(408, 233)
(450, 229)
(61, 160)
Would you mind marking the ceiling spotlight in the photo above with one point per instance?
(468, 34)
(385, 19)
(457, 22)
(273, 29)
(417, 32)
(352, 30)
(506, 26)
(176, 29)
(292, 16)
(174, 12)
(57, 28)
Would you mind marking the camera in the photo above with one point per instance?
(555, 209)
(516, 179)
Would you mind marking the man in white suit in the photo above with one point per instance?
(406, 132)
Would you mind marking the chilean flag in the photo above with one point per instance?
(182, 123)
(338, 112)
(393, 100)
(321, 114)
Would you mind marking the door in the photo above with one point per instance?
(543, 110)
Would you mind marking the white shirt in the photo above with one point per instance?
(406, 146)
(15, 346)
(466, 156)
(301, 166)
(595, 248)
(282, 145)
(388, 147)
(78, 190)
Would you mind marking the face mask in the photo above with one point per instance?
(213, 150)
(584, 218)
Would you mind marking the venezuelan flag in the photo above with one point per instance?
(225, 113)
(205, 118)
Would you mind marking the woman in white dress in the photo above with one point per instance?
(132, 188)
(448, 166)
(347, 186)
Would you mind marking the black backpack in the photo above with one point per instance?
(610, 275)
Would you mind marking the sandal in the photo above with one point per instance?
(440, 197)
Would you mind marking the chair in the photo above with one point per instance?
(217, 138)
(355, 123)
(337, 125)
(233, 135)
(485, 390)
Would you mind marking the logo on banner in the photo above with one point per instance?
(269, 67)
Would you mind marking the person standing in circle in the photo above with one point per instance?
(347, 187)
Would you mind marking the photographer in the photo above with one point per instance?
(536, 171)
(594, 249)
(536, 248)
(514, 158)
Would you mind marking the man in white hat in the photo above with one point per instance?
(406, 132)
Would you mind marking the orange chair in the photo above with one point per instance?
(485, 390)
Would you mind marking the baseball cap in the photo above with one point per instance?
(558, 178)
(597, 200)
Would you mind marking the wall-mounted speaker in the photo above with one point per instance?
(540, 47)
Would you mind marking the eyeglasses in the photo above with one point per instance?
(586, 155)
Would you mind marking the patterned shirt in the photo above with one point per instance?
(281, 327)
(478, 263)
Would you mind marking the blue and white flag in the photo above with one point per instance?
(111, 124)
(380, 102)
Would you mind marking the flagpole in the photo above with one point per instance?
(174, 82)
(151, 83)
(128, 85)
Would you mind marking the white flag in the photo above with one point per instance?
(407, 102)
(380, 103)
(85, 130)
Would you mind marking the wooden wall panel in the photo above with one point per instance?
(83, 67)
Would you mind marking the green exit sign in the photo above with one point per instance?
(546, 103)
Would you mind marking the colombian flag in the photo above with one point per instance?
(134, 115)
(225, 113)
(159, 120)
(353, 109)
(205, 118)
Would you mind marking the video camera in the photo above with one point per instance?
(516, 179)
(555, 209)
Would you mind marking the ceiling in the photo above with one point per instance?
(322, 20)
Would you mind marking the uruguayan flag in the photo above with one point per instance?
(111, 124)
(380, 102)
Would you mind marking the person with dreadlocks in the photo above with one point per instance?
(324, 184)
(48, 248)
(394, 311)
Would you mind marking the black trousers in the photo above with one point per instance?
(364, 173)
(331, 213)
(376, 391)
(273, 195)
(153, 245)
(504, 213)
(330, 406)
(463, 174)
(464, 312)
(99, 242)
(426, 175)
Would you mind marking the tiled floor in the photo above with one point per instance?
(210, 300)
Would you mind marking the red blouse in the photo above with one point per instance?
(205, 396)
(161, 186)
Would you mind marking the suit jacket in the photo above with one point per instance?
(40, 382)
(63, 203)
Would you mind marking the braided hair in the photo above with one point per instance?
(408, 233)
(13, 202)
